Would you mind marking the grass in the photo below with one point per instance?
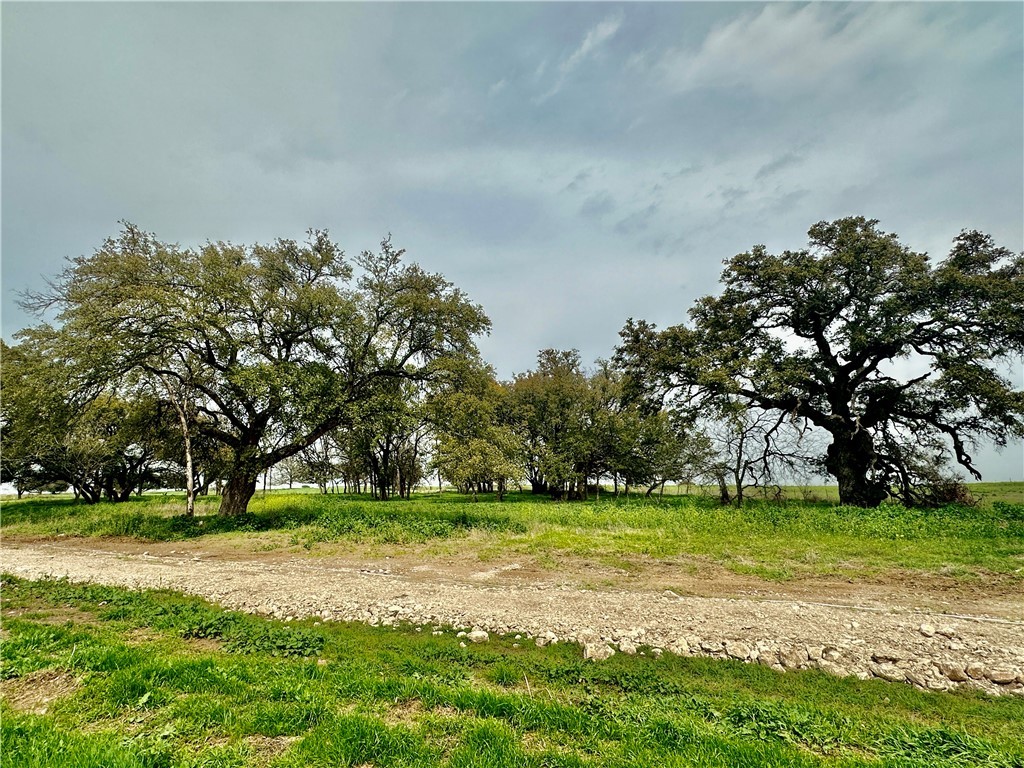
(768, 539)
(158, 679)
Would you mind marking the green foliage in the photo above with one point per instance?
(811, 334)
(275, 344)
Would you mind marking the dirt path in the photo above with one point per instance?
(924, 637)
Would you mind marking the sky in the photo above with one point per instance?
(568, 165)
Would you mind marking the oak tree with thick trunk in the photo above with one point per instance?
(278, 343)
(895, 358)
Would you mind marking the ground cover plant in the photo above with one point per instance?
(101, 676)
(772, 539)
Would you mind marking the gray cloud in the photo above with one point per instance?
(675, 136)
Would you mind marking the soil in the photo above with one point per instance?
(932, 631)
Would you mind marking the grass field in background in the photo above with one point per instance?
(764, 538)
(154, 679)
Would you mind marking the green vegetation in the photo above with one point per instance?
(809, 336)
(157, 679)
(776, 540)
(216, 366)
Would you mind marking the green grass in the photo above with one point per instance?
(158, 679)
(773, 540)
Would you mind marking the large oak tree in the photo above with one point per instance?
(895, 357)
(277, 343)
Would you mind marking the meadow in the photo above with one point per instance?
(777, 540)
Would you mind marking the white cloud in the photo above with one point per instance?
(596, 37)
(785, 48)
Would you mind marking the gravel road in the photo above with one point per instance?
(928, 649)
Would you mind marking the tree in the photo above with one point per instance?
(279, 343)
(550, 408)
(477, 449)
(862, 338)
(753, 448)
(103, 444)
(388, 434)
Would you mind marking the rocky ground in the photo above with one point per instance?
(914, 633)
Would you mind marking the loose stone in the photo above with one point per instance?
(889, 672)
(597, 651)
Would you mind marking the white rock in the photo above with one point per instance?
(927, 630)
(739, 651)
(478, 636)
(792, 658)
(976, 670)
(597, 651)
(1002, 675)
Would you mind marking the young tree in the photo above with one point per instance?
(816, 334)
(278, 342)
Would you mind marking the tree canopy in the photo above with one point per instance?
(894, 357)
(278, 343)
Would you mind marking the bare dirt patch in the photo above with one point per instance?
(54, 616)
(264, 749)
(37, 691)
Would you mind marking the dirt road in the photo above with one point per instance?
(922, 634)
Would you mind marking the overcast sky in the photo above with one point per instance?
(568, 165)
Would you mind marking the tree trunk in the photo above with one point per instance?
(239, 489)
(723, 490)
(538, 487)
(190, 482)
(850, 459)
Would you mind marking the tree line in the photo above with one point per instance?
(855, 358)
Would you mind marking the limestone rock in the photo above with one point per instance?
(597, 651)
(793, 658)
(832, 668)
(954, 672)
(739, 651)
(976, 670)
(478, 636)
(928, 630)
(888, 671)
(830, 653)
(548, 638)
(627, 646)
(1001, 675)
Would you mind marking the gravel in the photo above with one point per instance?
(896, 644)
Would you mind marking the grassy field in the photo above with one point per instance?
(765, 538)
(157, 679)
